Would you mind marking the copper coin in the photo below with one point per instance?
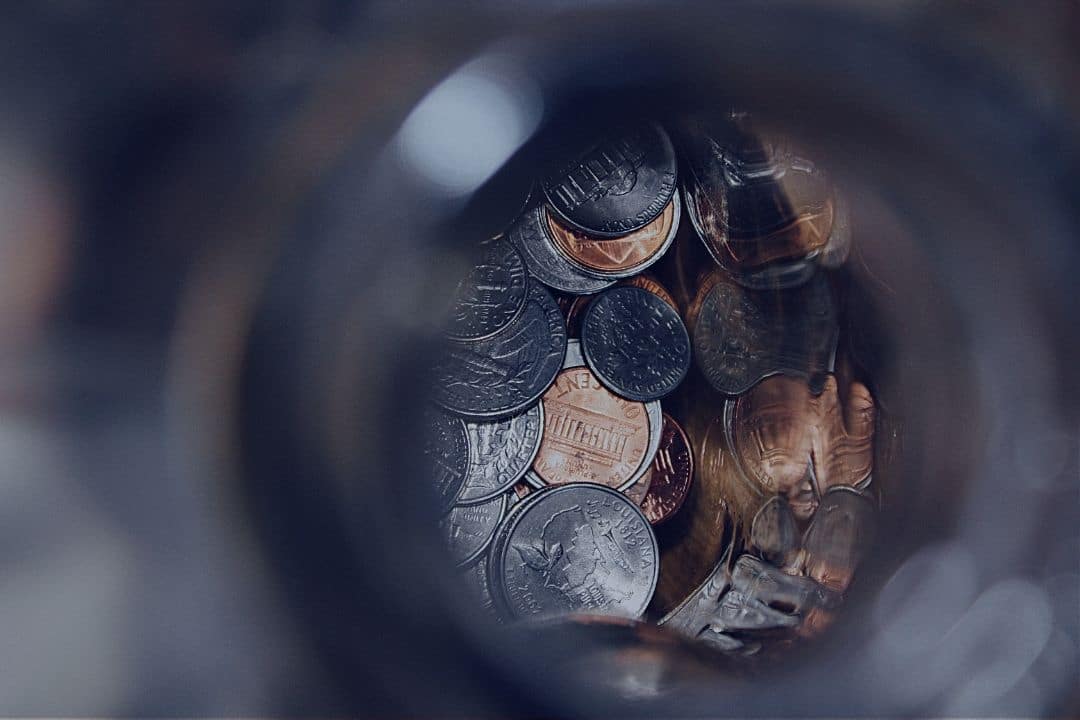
(615, 254)
(590, 434)
(791, 442)
(672, 473)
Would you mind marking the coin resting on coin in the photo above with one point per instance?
(596, 439)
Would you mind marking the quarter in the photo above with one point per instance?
(576, 549)
(504, 374)
(500, 451)
(469, 528)
(491, 296)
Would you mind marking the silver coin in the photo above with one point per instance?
(475, 576)
(575, 358)
(468, 529)
(492, 295)
(743, 335)
(445, 451)
(500, 452)
(577, 548)
(614, 184)
(544, 261)
(635, 343)
(504, 374)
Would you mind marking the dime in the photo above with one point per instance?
(469, 528)
(635, 343)
(622, 256)
(446, 454)
(504, 374)
(743, 335)
(491, 296)
(545, 263)
(575, 308)
(672, 472)
(615, 184)
(577, 548)
(590, 434)
(500, 452)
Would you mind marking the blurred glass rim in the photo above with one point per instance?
(879, 102)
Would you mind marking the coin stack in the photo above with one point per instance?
(567, 481)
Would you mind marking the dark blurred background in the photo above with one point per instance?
(133, 577)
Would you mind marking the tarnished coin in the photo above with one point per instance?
(672, 473)
(504, 374)
(743, 335)
(635, 343)
(446, 454)
(577, 548)
(590, 434)
(500, 452)
(621, 256)
(492, 295)
(545, 263)
(615, 184)
(469, 528)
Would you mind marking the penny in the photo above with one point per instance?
(635, 343)
(504, 374)
(620, 256)
(648, 282)
(446, 454)
(469, 528)
(616, 184)
(590, 434)
(790, 441)
(491, 296)
(743, 335)
(672, 473)
(544, 262)
(577, 548)
(575, 359)
(500, 452)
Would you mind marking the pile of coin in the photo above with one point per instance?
(556, 438)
